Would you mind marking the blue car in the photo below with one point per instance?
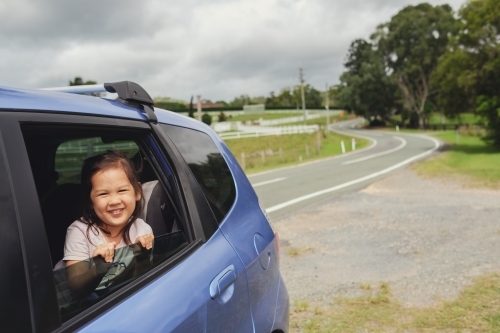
(214, 264)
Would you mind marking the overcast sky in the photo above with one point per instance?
(178, 48)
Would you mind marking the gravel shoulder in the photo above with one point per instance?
(426, 238)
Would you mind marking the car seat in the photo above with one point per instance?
(158, 211)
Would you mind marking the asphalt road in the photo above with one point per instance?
(284, 191)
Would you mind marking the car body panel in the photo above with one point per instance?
(180, 300)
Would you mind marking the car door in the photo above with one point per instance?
(241, 219)
(202, 288)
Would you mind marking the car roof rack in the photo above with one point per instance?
(129, 93)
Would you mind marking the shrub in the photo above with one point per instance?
(222, 117)
(206, 118)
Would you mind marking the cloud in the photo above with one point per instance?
(219, 49)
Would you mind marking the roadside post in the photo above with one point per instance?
(342, 146)
(198, 104)
(327, 107)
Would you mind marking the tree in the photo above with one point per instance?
(411, 44)
(291, 98)
(79, 82)
(468, 75)
(365, 88)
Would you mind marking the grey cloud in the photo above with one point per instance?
(220, 48)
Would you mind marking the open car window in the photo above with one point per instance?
(71, 154)
(87, 282)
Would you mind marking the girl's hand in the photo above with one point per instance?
(106, 250)
(146, 241)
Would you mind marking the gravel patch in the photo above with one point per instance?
(426, 238)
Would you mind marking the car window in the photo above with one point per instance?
(56, 155)
(87, 282)
(71, 154)
(208, 167)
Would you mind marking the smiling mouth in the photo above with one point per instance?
(115, 211)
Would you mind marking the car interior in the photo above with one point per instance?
(56, 159)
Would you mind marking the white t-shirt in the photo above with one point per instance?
(78, 247)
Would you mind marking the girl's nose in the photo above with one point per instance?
(114, 199)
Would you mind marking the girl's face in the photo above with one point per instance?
(113, 198)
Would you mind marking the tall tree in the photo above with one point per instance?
(411, 44)
(366, 88)
(468, 75)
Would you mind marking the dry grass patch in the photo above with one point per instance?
(477, 309)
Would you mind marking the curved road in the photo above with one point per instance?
(286, 190)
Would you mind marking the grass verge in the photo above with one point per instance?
(263, 153)
(470, 161)
(477, 309)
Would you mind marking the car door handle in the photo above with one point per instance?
(222, 281)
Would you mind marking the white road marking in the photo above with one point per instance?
(269, 181)
(355, 181)
(401, 146)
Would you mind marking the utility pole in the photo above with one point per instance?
(301, 78)
(198, 97)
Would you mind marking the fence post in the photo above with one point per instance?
(342, 146)
(397, 128)
(353, 144)
(243, 160)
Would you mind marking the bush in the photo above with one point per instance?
(206, 118)
(222, 117)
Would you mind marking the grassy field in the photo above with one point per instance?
(477, 309)
(322, 121)
(265, 116)
(263, 153)
(470, 161)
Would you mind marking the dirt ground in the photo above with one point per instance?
(426, 238)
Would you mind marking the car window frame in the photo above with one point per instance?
(37, 255)
(12, 271)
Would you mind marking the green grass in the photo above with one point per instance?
(322, 121)
(471, 161)
(435, 119)
(265, 116)
(477, 309)
(293, 149)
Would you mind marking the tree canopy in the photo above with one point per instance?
(468, 75)
(365, 88)
(411, 44)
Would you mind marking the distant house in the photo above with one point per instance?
(207, 104)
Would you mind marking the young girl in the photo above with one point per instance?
(112, 202)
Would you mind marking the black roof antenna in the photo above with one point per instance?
(130, 93)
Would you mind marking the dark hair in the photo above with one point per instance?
(109, 160)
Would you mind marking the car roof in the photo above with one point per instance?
(16, 99)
